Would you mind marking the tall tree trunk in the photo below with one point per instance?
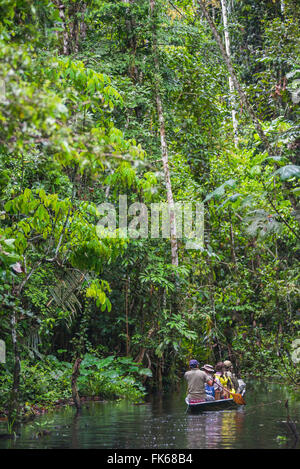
(132, 41)
(65, 35)
(74, 32)
(211, 276)
(73, 26)
(127, 287)
(163, 142)
(82, 22)
(231, 87)
(246, 104)
(14, 405)
(235, 81)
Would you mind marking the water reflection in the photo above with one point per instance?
(75, 430)
(213, 430)
(164, 423)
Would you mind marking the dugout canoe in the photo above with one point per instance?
(221, 404)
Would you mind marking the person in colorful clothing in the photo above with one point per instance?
(229, 374)
(219, 379)
(223, 381)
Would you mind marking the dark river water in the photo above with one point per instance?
(164, 423)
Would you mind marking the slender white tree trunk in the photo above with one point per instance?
(164, 147)
(231, 86)
(237, 86)
(65, 34)
(246, 104)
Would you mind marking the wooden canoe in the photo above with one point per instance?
(221, 404)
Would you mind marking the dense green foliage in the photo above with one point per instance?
(48, 381)
(79, 126)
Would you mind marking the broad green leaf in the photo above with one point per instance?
(220, 191)
(287, 172)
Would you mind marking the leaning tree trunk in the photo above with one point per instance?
(163, 142)
(75, 374)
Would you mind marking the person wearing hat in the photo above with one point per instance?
(229, 374)
(209, 390)
(196, 380)
(219, 379)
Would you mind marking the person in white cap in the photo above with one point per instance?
(209, 389)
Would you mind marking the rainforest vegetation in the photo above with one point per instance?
(161, 101)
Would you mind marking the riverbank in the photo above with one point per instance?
(29, 412)
(47, 384)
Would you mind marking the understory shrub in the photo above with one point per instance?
(49, 380)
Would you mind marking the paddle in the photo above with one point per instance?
(238, 398)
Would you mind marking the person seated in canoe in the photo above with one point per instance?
(223, 383)
(217, 380)
(229, 373)
(237, 383)
(196, 380)
(220, 382)
(209, 389)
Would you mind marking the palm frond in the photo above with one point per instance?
(65, 293)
